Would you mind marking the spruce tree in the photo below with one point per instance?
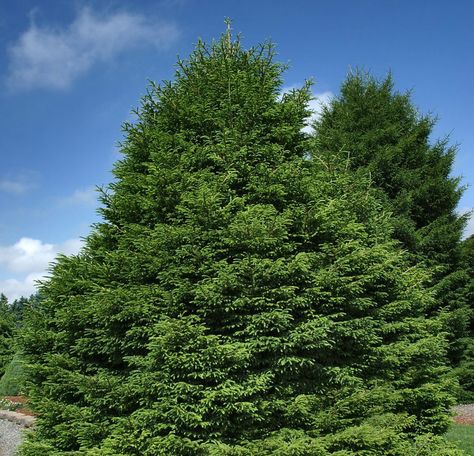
(372, 128)
(377, 132)
(237, 299)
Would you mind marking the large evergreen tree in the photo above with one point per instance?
(377, 132)
(237, 299)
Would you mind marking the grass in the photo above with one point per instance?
(463, 436)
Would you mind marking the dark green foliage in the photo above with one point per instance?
(22, 305)
(467, 252)
(465, 370)
(7, 328)
(237, 299)
(377, 133)
(373, 129)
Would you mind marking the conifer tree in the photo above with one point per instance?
(236, 299)
(7, 327)
(373, 128)
(377, 132)
(465, 369)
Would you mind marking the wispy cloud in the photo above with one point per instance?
(53, 58)
(83, 196)
(27, 261)
(17, 184)
(316, 105)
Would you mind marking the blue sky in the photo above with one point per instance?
(71, 72)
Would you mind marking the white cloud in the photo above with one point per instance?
(85, 196)
(316, 105)
(53, 58)
(12, 186)
(28, 260)
(14, 288)
(17, 185)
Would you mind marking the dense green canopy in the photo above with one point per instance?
(237, 299)
(378, 133)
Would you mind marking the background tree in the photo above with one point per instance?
(465, 370)
(372, 128)
(12, 377)
(377, 132)
(21, 306)
(7, 328)
(236, 299)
